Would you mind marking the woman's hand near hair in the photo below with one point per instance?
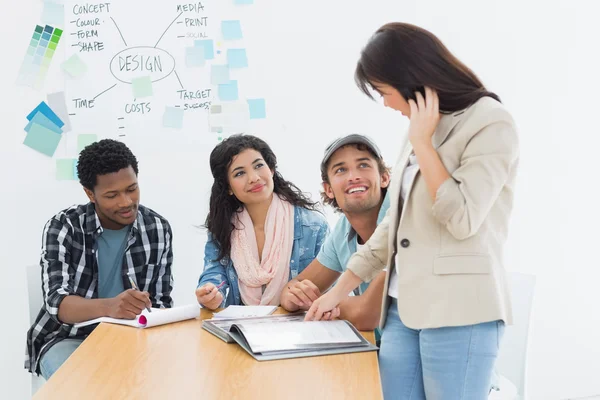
(424, 117)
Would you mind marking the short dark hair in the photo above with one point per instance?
(101, 158)
(381, 166)
(408, 58)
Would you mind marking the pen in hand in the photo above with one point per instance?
(133, 285)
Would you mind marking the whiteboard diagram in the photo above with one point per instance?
(146, 68)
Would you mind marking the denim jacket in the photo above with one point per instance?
(310, 231)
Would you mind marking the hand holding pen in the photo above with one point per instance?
(209, 296)
(134, 286)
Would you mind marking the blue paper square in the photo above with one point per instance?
(195, 57)
(236, 58)
(209, 48)
(173, 117)
(257, 108)
(241, 2)
(42, 139)
(47, 111)
(228, 91)
(219, 74)
(41, 119)
(231, 30)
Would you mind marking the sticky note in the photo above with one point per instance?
(42, 139)
(195, 56)
(53, 14)
(257, 108)
(74, 66)
(242, 2)
(219, 74)
(173, 117)
(235, 108)
(84, 140)
(142, 87)
(208, 46)
(47, 111)
(215, 109)
(228, 91)
(41, 119)
(231, 30)
(216, 129)
(57, 102)
(236, 58)
(65, 170)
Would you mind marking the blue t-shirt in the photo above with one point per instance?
(342, 243)
(111, 249)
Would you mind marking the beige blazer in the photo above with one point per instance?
(450, 252)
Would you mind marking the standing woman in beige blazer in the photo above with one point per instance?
(446, 298)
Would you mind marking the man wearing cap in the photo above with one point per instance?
(355, 181)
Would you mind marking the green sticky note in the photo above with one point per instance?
(65, 170)
(142, 87)
(84, 140)
(74, 66)
(42, 139)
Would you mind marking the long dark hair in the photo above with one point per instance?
(408, 58)
(223, 205)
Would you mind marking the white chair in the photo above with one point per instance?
(34, 290)
(511, 365)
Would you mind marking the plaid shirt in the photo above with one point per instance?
(69, 266)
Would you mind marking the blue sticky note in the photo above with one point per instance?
(228, 91)
(219, 74)
(236, 58)
(41, 119)
(173, 117)
(195, 56)
(53, 14)
(47, 111)
(209, 48)
(42, 139)
(231, 30)
(65, 170)
(257, 108)
(242, 2)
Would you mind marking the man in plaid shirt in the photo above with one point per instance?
(89, 254)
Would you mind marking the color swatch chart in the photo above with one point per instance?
(39, 54)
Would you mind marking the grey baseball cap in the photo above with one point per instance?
(353, 138)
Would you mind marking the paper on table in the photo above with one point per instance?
(155, 318)
(293, 335)
(245, 311)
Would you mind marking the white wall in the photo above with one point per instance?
(540, 57)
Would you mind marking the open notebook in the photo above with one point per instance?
(289, 336)
(157, 317)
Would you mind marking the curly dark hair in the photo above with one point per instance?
(381, 166)
(222, 205)
(101, 158)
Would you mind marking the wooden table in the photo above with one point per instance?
(183, 361)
